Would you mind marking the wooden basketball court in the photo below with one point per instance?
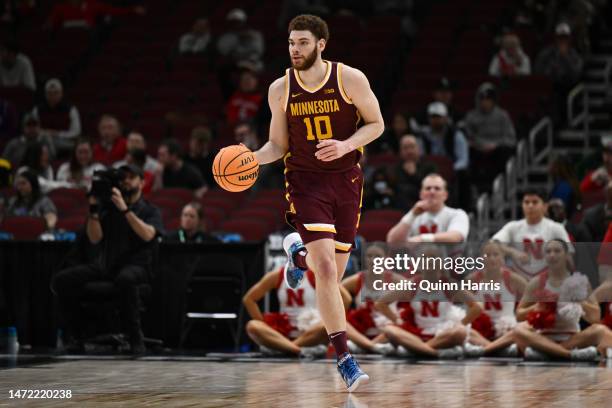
(210, 382)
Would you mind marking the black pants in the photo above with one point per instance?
(68, 287)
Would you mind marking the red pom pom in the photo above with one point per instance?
(484, 326)
(279, 322)
(544, 318)
(361, 319)
(607, 321)
(409, 324)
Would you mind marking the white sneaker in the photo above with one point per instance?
(453, 353)
(404, 352)
(385, 349)
(609, 353)
(317, 351)
(584, 354)
(354, 348)
(293, 274)
(473, 351)
(535, 355)
(510, 351)
(268, 352)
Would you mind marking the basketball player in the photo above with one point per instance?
(430, 220)
(499, 305)
(564, 339)
(438, 329)
(530, 234)
(317, 109)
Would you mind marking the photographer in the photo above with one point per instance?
(124, 228)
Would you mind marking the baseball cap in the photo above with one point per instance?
(132, 168)
(437, 108)
(236, 14)
(53, 83)
(29, 118)
(563, 29)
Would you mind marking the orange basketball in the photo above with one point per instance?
(235, 168)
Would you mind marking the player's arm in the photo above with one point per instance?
(358, 89)
(519, 284)
(257, 292)
(278, 141)
(473, 307)
(604, 292)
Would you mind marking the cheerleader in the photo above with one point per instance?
(429, 324)
(551, 309)
(492, 330)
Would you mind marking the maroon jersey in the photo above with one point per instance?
(315, 114)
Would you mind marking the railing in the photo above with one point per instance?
(522, 163)
(541, 158)
(483, 217)
(608, 73)
(577, 117)
(498, 199)
(511, 185)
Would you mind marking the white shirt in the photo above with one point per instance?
(63, 174)
(447, 219)
(531, 238)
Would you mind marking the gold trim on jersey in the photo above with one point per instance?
(286, 90)
(341, 246)
(320, 227)
(341, 85)
(318, 87)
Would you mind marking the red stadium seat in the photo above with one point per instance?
(271, 216)
(224, 204)
(73, 223)
(182, 195)
(169, 206)
(212, 217)
(444, 165)
(24, 228)
(375, 230)
(251, 230)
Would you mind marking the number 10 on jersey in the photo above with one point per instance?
(320, 132)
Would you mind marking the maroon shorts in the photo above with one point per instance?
(325, 205)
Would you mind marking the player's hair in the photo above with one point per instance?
(307, 22)
(536, 192)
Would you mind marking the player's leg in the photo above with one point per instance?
(401, 337)
(266, 336)
(525, 336)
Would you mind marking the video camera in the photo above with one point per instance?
(103, 182)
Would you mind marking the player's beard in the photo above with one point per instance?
(309, 61)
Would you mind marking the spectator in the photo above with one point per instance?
(199, 155)
(125, 233)
(246, 133)
(510, 60)
(566, 185)
(85, 13)
(246, 101)
(430, 220)
(15, 68)
(192, 226)
(556, 212)
(79, 171)
(529, 234)
(389, 141)
(443, 93)
(563, 65)
(380, 192)
(240, 43)
(196, 41)
(443, 139)
(16, 148)
(112, 146)
(58, 118)
(410, 172)
(490, 134)
(36, 160)
(174, 172)
(8, 120)
(597, 218)
(597, 179)
(136, 140)
(31, 201)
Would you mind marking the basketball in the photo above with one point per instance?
(235, 168)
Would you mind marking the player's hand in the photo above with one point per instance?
(520, 257)
(331, 149)
(118, 200)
